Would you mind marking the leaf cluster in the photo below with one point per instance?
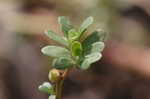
(76, 52)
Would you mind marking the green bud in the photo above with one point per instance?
(54, 75)
(46, 87)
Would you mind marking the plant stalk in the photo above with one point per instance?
(59, 84)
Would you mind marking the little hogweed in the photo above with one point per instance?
(75, 52)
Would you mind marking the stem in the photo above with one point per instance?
(59, 84)
(57, 91)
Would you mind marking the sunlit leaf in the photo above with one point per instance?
(55, 51)
(97, 47)
(97, 36)
(89, 59)
(65, 24)
(56, 37)
(87, 22)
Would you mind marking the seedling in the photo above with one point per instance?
(75, 53)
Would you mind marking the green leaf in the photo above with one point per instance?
(89, 59)
(76, 48)
(87, 22)
(62, 63)
(73, 35)
(97, 47)
(55, 51)
(65, 24)
(46, 87)
(52, 97)
(97, 36)
(56, 37)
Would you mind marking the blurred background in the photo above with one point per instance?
(123, 72)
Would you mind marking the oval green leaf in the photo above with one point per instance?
(97, 36)
(87, 22)
(62, 63)
(56, 37)
(76, 48)
(55, 51)
(97, 47)
(65, 24)
(89, 59)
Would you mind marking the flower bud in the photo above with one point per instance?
(54, 75)
(46, 87)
